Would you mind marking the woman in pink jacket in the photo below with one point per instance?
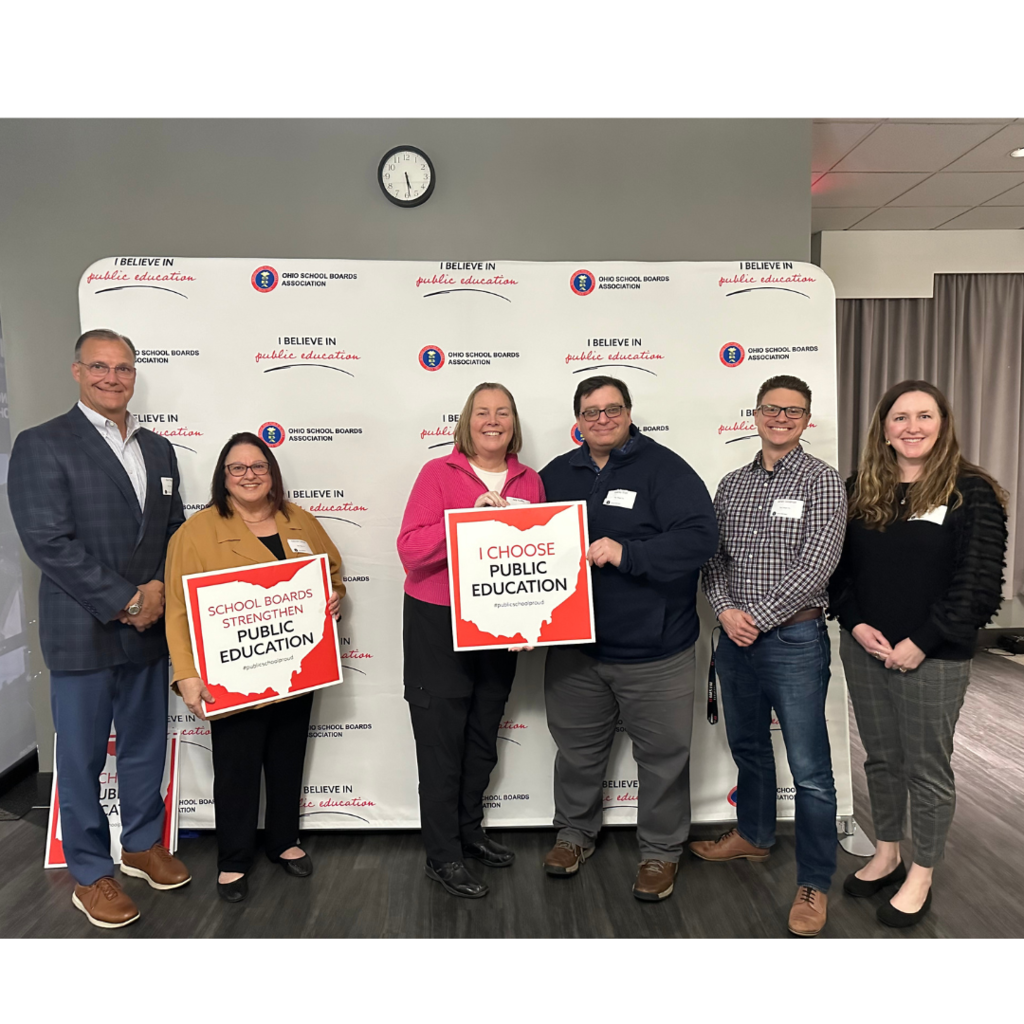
(456, 699)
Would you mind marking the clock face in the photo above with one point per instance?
(406, 176)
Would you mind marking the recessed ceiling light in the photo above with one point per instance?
(1017, 152)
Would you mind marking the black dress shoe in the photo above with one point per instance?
(456, 879)
(493, 854)
(894, 918)
(301, 867)
(234, 892)
(854, 886)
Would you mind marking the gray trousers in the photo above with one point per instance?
(585, 699)
(906, 723)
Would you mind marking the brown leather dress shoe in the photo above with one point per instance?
(809, 912)
(565, 858)
(105, 903)
(157, 866)
(729, 846)
(655, 880)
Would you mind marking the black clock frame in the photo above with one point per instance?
(419, 200)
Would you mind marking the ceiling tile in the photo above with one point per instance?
(959, 188)
(1015, 197)
(825, 218)
(994, 153)
(832, 140)
(914, 147)
(836, 189)
(908, 218)
(992, 218)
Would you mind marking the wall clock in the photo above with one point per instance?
(406, 176)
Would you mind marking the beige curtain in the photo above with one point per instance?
(968, 341)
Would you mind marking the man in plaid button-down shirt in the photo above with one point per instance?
(781, 521)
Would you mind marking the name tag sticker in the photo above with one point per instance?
(788, 508)
(300, 547)
(517, 501)
(621, 499)
(167, 483)
(937, 515)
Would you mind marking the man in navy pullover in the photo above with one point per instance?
(655, 527)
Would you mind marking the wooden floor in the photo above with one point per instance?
(371, 885)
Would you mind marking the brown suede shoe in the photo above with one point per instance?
(730, 846)
(157, 866)
(105, 904)
(565, 858)
(809, 912)
(655, 879)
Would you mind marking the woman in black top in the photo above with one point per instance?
(921, 572)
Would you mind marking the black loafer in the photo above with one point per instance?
(234, 892)
(894, 918)
(301, 867)
(493, 854)
(854, 886)
(456, 880)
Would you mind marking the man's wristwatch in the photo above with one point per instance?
(136, 606)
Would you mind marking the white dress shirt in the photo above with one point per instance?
(128, 451)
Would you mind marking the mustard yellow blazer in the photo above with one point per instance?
(207, 542)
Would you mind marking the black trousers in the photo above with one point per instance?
(268, 741)
(456, 700)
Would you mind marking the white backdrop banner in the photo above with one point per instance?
(355, 372)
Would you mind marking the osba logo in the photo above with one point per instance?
(576, 434)
(273, 434)
(431, 358)
(731, 796)
(732, 354)
(582, 282)
(264, 279)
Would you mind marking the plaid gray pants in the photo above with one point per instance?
(906, 723)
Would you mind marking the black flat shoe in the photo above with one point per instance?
(456, 880)
(894, 918)
(301, 867)
(854, 886)
(234, 892)
(488, 852)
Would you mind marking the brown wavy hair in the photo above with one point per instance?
(874, 498)
(219, 497)
(463, 439)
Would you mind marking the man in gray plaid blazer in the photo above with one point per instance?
(95, 499)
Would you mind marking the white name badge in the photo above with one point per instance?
(517, 501)
(936, 515)
(788, 508)
(300, 547)
(167, 483)
(621, 499)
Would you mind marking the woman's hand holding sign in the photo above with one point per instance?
(334, 605)
(490, 498)
(193, 693)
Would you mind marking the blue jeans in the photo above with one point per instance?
(786, 669)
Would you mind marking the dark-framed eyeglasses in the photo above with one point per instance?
(97, 370)
(239, 469)
(613, 412)
(793, 412)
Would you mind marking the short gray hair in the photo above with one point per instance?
(107, 335)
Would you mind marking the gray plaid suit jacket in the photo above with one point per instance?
(79, 520)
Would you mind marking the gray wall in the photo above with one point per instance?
(74, 191)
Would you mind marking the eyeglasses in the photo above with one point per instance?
(793, 412)
(613, 412)
(239, 469)
(101, 370)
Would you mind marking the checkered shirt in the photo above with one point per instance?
(769, 565)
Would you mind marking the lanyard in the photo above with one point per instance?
(712, 682)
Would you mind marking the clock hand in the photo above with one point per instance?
(408, 183)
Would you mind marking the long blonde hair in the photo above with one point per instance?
(875, 495)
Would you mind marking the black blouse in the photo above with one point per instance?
(274, 543)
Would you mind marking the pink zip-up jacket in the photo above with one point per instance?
(448, 482)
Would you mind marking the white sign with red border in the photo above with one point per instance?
(519, 575)
(262, 632)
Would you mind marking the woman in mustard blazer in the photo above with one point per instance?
(247, 522)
